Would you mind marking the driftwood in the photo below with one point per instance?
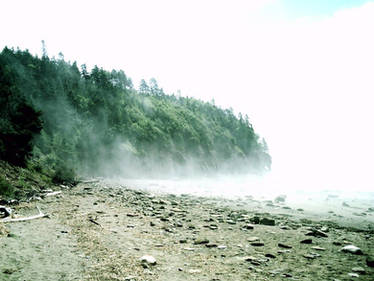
(52, 193)
(40, 215)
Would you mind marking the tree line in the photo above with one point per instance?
(64, 119)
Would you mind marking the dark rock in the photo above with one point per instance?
(268, 255)
(370, 261)
(255, 220)
(306, 241)
(267, 221)
(257, 244)
(280, 199)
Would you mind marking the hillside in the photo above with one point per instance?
(62, 119)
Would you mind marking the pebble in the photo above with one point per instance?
(359, 269)
(221, 247)
(317, 248)
(281, 245)
(199, 241)
(148, 260)
(257, 244)
(248, 226)
(268, 255)
(317, 233)
(352, 249)
(211, 245)
(370, 261)
(253, 239)
(306, 241)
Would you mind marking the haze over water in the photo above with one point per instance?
(301, 70)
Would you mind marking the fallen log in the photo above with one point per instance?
(40, 215)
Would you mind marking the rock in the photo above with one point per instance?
(189, 249)
(130, 278)
(200, 241)
(300, 210)
(267, 221)
(311, 256)
(194, 271)
(148, 260)
(344, 204)
(352, 249)
(354, 275)
(253, 239)
(281, 245)
(359, 269)
(211, 245)
(268, 255)
(248, 226)
(318, 248)
(317, 233)
(221, 247)
(306, 241)
(257, 244)
(252, 260)
(230, 222)
(370, 261)
(280, 199)
(255, 220)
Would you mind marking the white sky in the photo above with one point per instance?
(307, 83)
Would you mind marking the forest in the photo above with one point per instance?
(63, 120)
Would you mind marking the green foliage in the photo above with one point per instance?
(64, 174)
(6, 189)
(94, 117)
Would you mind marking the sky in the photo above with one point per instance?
(302, 70)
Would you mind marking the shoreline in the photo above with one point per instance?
(98, 231)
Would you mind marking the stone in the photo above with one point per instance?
(352, 249)
(211, 245)
(255, 220)
(248, 226)
(253, 239)
(281, 245)
(221, 247)
(148, 260)
(268, 255)
(267, 221)
(280, 199)
(306, 241)
(257, 244)
(359, 269)
(370, 261)
(317, 248)
(354, 275)
(317, 233)
(200, 241)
